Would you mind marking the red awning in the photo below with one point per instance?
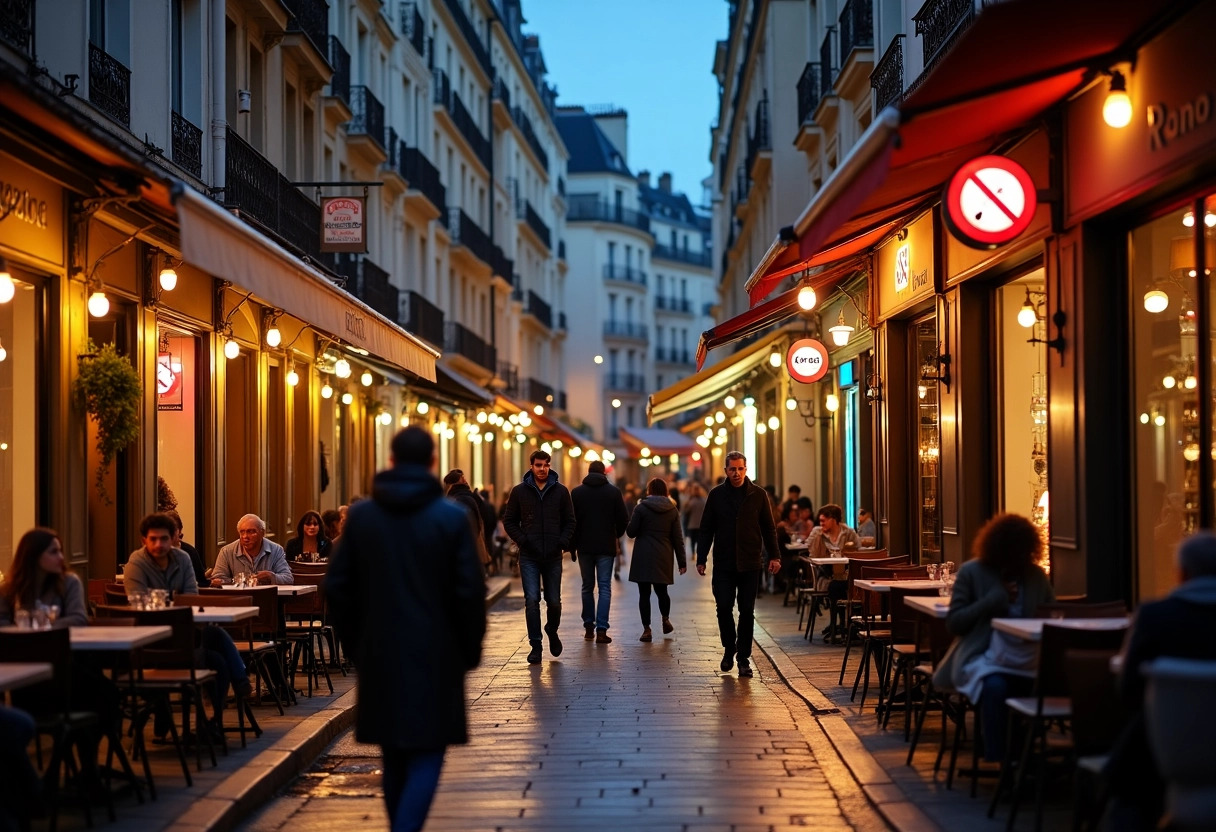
(1017, 59)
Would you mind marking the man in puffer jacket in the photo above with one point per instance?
(539, 517)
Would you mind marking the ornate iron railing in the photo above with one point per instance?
(809, 93)
(626, 329)
(422, 318)
(17, 24)
(590, 208)
(683, 305)
(463, 341)
(629, 274)
(509, 374)
(531, 218)
(632, 382)
(679, 255)
(109, 85)
(255, 187)
(442, 91)
(413, 27)
(525, 126)
(538, 308)
(856, 27)
(422, 176)
(501, 93)
(367, 115)
(887, 79)
(502, 265)
(374, 288)
(312, 18)
(760, 139)
(938, 23)
(827, 68)
(465, 232)
(672, 355)
(467, 125)
(537, 391)
(339, 59)
(470, 33)
(187, 145)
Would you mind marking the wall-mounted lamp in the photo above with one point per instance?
(841, 332)
(1028, 315)
(244, 101)
(347, 398)
(806, 298)
(7, 287)
(270, 322)
(293, 378)
(366, 379)
(937, 368)
(167, 277)
(1117, 109)
(342, 368)
(806, 409)
(775, 358)
(873, 388)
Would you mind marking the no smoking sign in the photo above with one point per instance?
(807, 360)
(989, 201)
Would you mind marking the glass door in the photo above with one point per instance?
(929, 439)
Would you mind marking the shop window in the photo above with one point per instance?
(20, 344)
(177, 427)
(1162, 257)
(929, 439)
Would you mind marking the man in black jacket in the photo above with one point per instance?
(599, 509)
(539, 517)
(738, 523)
(408, 601)
(459, 490)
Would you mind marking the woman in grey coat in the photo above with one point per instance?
(655, 527)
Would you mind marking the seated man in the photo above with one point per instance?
(866, 530)
(252, 554)
(832, 539)
(157, 565)
(1181, 625)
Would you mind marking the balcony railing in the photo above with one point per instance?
(465, 232)
(468, 128)
(469, 31)
(590, 208)
(887, 79)
(561, 249)
(525, 212)
(561, 321)
(339, 59)
(413, 27)
(625, 273)
(760, 138)
(525, 126)
(17, 24)
(501, 265)
(939, 22)
(462, 341)
(561, 399)
(682, 305)
(422, 176)
(187, 145)
(561, 185)
(856, 28)
(631, 382)
(537, 391)
(809, 91)
(370, 283)
(262, 194)
(681, 255)
(367, 115)
(442, 92)
(827, 69)
(501, 93)
(312, 18)
(626, 329)
(509, 374)
(422, 317)
(672, 355)
(539, 309)
(109, 85)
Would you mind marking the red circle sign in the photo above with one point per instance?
(807, 360)
(989, 202)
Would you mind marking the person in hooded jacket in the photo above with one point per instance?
(539, 517)
(408, 599)
(599, 510)
(655, 527)
(459, 490)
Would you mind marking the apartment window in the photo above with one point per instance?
(613, 360)
(258, 88)
(110, 28)
(658, 382)
(673, 238)
(611, 254)
(629, 415)
(684, 288)
(291, 131)
(686, 242)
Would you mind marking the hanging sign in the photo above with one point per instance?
(807, 360)
(168, 381)
(989, 202)
(342, 224)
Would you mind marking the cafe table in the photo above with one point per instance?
(284, 590)
(798, 547)
(223, 615)
(927, 604)
(1031, 629)
(829, 561)
(14, 675)
(885, 586)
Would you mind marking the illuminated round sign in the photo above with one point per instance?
(807, 360)
(989, 202)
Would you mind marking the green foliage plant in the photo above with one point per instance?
(108, 389)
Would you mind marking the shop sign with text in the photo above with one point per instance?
(343, 226)
(904, 268)
(807, 360)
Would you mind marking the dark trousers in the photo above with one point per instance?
(730, 586)
(20, 786)
(994, 714)
(535, 574)
(410, 780)
(644, 601)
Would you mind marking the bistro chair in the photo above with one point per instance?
(1075, 609)
(115, 595)
(903, 653)
(852, 600)
(1098, 717)
(306, 624)
(875, 632)
(262, 649)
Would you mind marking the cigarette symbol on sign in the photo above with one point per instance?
(989, 201)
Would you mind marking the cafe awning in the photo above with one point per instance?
(709, 384)
(454, 389)
(658, 441)
(219, 243)
(1017, 59)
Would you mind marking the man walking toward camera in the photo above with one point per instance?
(738, 523)
(539, 517)
(599, 510)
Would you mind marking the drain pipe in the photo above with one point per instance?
(219, 117)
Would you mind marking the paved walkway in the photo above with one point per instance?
(608, 737)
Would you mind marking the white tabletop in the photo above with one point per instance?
(117, 638)
(885, 586)
(223, 615)
(934, 607)
(829, 561)
(1031, 629)
(15, 675)
(797, 547)
(284, 589)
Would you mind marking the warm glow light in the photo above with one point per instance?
(1156, 301)
(404, 421)
(1026, 315)
(327, 392)
(557, 443)
(366, 379)
(489, 436)
(520, 438)
(696, 456)
(773, 423)
(99, 304)
(1188, 219)
(1209, 219)
(762, 428)
(608, 456)
(1159, 420)
(703, 441)
(538, 410)
(616, 402)
(832, 403)
(719, 417)
(841, 332)
(1191, 452)
(729, 402)
(3, 352)
(423, 407)
(342, 368)
(709, 420)
(1190, 382)
(293, 378)
(168, 279)
(482, 417)
(1144, 418)
(7, 289)
(546, 447)
(1169, 382)
(645, 451)
(1117, 109)
(922, 390)
(774, 358)
(806, 298)
(576, 451)
(273, 337)
(791, 403)
(599, 359)
(386, 418)
(347, 398)
(231, 349)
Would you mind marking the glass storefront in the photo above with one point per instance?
(177, 425)
(924, 348)
(21, 340)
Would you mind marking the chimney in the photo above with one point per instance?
(665, 182)
(644, 178)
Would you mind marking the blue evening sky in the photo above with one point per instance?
(655, 59)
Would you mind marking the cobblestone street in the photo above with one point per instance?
(607, 737)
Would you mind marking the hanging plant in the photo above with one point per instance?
(108, 389)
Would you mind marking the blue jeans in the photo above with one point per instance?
(531, 574)
(410, 780)
(596, 569)
(994, 714)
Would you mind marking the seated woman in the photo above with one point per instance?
(40, 576)
(311, 544)
(1002, 580)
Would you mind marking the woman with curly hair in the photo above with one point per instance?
(1002, 580)
(311, 543)
(39, 574)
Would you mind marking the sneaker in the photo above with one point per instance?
(667, 626)
(555, 643)
(534, 653)
(745, 669)
(589, 632)
(645, 635)
(602, 637)
(728, 661)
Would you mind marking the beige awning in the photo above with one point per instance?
(711, 383)
(217, 242)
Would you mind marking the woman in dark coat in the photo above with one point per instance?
(310, 544)
(655, 527)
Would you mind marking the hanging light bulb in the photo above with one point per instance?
(293, 378)
(366, 379)
(1191, 452)
(482, 417)
(1190, 382)
(327, 391)
(273, 337)
(791, 403)
(1169, 382)
(806, 298)
(1156, 301)
(7, 289)
(1188, 219)
(832, 403)
(1144, 418)
(841, 332)
(385, 418)
(719, 417)
(1117, 109)
(3, 351)
(774, 357)
(1209, 219)
(761, 428)
(168, 278)
(342, 368)
(557, 443)
(1159, 420)
(231, 348)
(539, 410)
(773, 423)
(347, 398)
(729, 402)
(921, 391)
(423, 407)
(599, 359)
(616, 402)
(99, 304)
(1027, 316)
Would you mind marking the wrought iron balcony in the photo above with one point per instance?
(465, 232)
(370, 283)
(539, 309)
(887, 79)
(266, 198)
(856, 28)
(339, 59)
(561, 399)
(469, 31)
(939, 22)
(630, 382)
(467, 125)
(590, 208)
(537, 391)
(17, 24)
(809, 91)
(501, 265)
(509, 374)
(422, 176)
(109, 85)
(463, 341)
(501, 93)
(561, 321)
(367, 115)
(681, 305)
(525, 212)
(626, 329)
(628, 274)
(422, 318)
(312, 18)
(187, 145)
(760, 139)
(672, 355)
(827, 68)
(681, 255)
(413, 27)
(442, 88)
(525, 126)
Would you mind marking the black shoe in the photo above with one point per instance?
(602, 637)
(745, 669)
(728, 661)
(243, 688)
(534, 653)
(588, 631)
(555, 643)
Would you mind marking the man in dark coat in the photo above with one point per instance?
(539, 517)
(489, 518)
(459, 490)
(738, 523)
(599, 510)
(408, 600)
